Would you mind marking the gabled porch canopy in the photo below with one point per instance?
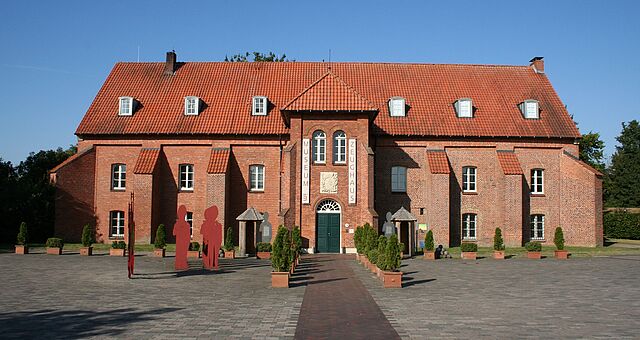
(249, 215)
(402, 215)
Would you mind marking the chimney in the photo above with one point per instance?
(538, 64)
(170, 65)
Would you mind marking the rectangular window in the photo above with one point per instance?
(465, 108)
(339, 147)
(469, 179)
(189, 219)
(397, 107)
(530, 109)
(118, 176)
(126, 106)
(256, 175)
(186, 176)
(191, 106)
(117, 224)
(537, 227)
(469, 222)
(398, 179)
(537, 181)
(259, 106)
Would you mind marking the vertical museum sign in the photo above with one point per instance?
(352, 171)
(306, 158)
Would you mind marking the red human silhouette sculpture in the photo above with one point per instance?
(183, 238)
(211, 231)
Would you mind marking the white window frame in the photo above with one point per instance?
(469, 179)
(118, 176)
(339, 147)
(469, 224)
(256, 177)
(259, 106)
(186, 177)
(319, 147)
(537, 227)
(397, 107)
(528, 111)
(398, 179)
(537, 181)
(125, 106)
(116, 224)
(191, 106)
(459, 105)
(188, 217)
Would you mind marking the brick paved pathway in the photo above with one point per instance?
(336, 305)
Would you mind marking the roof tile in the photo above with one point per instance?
(218, 161)
(147, 160)
(438, 162)
(509, 162)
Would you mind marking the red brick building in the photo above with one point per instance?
(462, 148)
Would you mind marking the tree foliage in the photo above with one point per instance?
(498, 242)
(161, 237)
(429, 245)
(256, 56)
(558, 238)
(623, 175)
(280, 257)
(592, 150)
(87, 236)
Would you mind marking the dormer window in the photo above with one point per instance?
(464, 108)
(397, 106)
(191, 106)
(259, 106)
(126, 106)
(530, 109)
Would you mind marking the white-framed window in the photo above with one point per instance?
(259, 107)
(469, 224)
(116, 223)
(339, 147)
(464, 108)
(125, 106)
(319, 147)
(537, 181)
(469, 178)
(398, 179)
(191, 106)
(186, 176)
(397, 107)
(118, 176)
(189, 219)
(530, 109)
(256, 177)
(537, 227)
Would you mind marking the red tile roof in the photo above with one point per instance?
(218, 161)
(509, 162)
(226, 88)
(146, 162)
(438, 162)
(71, 159)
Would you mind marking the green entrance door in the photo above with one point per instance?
(328, 233)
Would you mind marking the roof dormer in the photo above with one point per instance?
(126, 106)
(464, 108)
(191, 106)
(397, 107)
(259, 106)
(530, 109)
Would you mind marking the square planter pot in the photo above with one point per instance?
(229, 254)
(280, 279)
(379, 273)
(54, 251)
(561, 254)
(429, 255)
(22, 249)
(159, 252)
(116, 252)
(86, 251)
(392, 279)
(263, 255)
(536, 255)
(372, 268)
(193, 254)
(498, 254)
(469, 255)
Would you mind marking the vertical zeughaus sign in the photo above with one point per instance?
(306, 158)
(352, 171)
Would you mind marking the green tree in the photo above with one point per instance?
(592, 150)
(257, 56)
(280, 259)
(623, 175)
(428, 242)
(228, 240)
(558, 239)
(23, 235)
(498, 242)
(161, 237)
(87, 236)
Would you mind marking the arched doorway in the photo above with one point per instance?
(328, 232)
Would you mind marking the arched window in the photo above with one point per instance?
(319, 146)
(329, 206)
(339, 147)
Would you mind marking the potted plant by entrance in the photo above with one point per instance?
(357, 242)
(469, 250)
(296, 239)
(558, 239)
(498, 245)
(390, 263)
(280, 259)
(263, 250)
(429, 246)
(160, 243)
(534, 250)
(117, 248)
(194, 250)
(21, 241)
(54, 246)
(87, 241)
(381, 253)
(229, 251)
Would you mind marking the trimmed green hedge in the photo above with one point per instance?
(118, 245)
(263, 246)
(533, 246)
(54, 242)
(622, 225)
(468, 247)
(194, 246)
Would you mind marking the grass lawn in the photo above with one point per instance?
(548, 251)
(96, 247)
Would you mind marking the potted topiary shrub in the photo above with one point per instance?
(160, 243)
(87, 241)
(194, 250)
(21, 241)
(382, 248)
(263, 250)
(390, 263)
(429, 246)
(357, 242)
(54, 246)
(558, 239)
(117, 248)
(469, 250)
(229, 250)
(534, 249)
(498, 245)
(280, 259)
(296, 239)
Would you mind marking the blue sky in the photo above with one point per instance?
(55, 55)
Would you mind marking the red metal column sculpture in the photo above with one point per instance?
(211, 231)
(132, 239)
(183, 238)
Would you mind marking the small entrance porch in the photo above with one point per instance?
(248, 235)
(405, 224)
